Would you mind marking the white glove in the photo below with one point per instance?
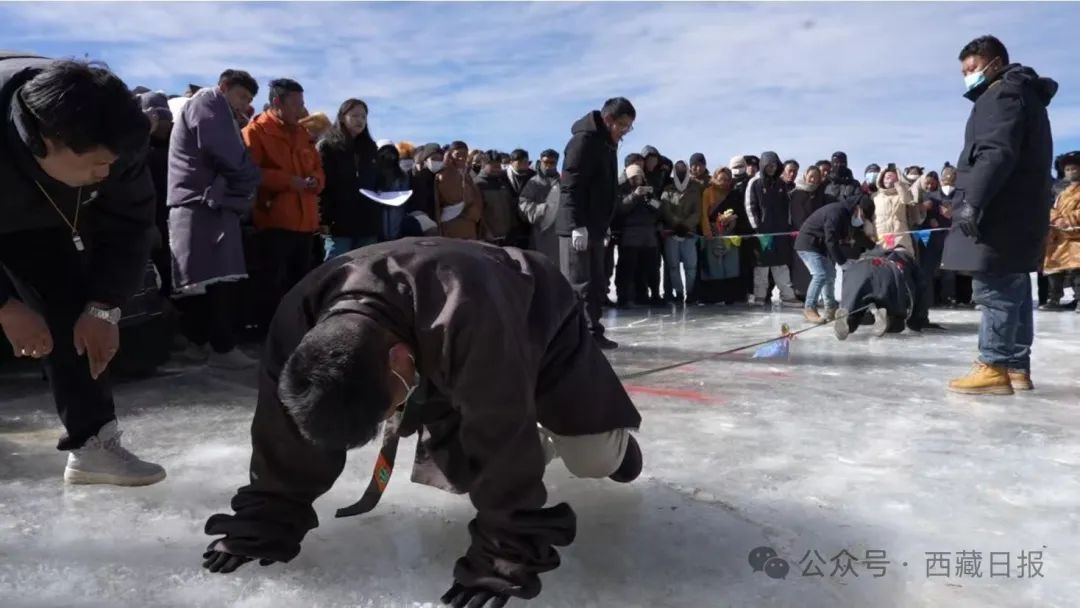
(655, 204)
(579, 238)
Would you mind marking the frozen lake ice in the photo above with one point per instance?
(847, 448)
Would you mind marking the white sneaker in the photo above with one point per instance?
(881, 321)
(103, 460)
(840, 325)
(232, 360)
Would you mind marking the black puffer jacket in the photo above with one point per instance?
(637, 217)
(349, 166)
(117, 214)
(590, 174)
(842, 184)
(1004, 172)
(767, 206)
(826, 229)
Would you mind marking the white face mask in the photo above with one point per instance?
(434, 165)
(406, 164)
(948, 190)
(913, 178)
(409, 390)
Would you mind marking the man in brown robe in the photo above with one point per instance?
(509, 376)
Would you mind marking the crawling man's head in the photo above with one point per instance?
(346, 376)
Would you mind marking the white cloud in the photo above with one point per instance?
(878, 80)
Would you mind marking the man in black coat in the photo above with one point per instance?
(510, 377)
(590, 175)
(1000, 225)
(767, 206)
(77, 205)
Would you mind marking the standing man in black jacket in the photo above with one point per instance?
(78, 213)
(589, 177)
(1000, 226)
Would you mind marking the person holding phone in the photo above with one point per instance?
(286, 210)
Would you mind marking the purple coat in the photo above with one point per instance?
(212, 182)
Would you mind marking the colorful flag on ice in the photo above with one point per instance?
(766, 241)
(777, 349)
(890, 241)
(924, 236)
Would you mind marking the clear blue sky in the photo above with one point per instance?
(880, 81)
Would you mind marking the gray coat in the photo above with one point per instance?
(539, 205)
(212, 182)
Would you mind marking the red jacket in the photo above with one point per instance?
(284, 152)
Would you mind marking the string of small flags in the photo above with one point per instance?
(888, 239)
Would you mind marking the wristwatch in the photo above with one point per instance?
(109, 315)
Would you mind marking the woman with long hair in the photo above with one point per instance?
(349, 219)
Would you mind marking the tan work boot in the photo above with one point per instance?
(1020, 380)
(983, 380)
(811, 315)
(830, 314)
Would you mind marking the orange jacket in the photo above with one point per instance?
(284, 152)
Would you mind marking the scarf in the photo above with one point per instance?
(680, 185)
(805, 187)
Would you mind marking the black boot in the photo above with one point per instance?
(604, 343)
(631, 463)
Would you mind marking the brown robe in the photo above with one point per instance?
(451, 188)
(501, 344)
(1063, 244)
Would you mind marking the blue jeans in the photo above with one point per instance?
(1008, 323)
(684, 250)
(337, 245)
(822, 279)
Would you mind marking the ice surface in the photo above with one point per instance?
(846, 446)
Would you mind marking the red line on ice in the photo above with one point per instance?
(671, 392)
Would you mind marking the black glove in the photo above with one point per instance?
(966, 218)
(217, 559)
(460, 596)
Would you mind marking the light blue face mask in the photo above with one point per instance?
(975, 80)
(871, 178)
(856, 221)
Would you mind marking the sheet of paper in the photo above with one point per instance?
(391, 199)
(449, 212)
